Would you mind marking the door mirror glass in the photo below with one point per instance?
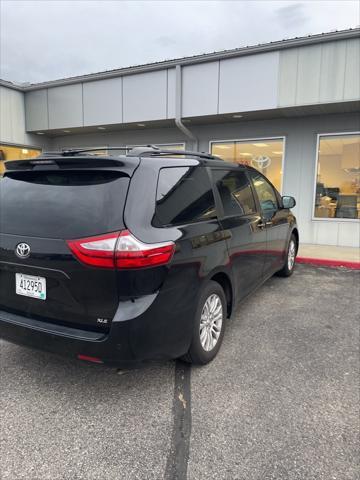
(288, 202)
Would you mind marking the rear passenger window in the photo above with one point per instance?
(184, 195)
(235, 192)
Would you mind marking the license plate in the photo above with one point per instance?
(29, 286)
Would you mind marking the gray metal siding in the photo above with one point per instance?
(103, 102)
(308, 75)
(12, 119)
(352, 70)
(145, 97)
(65, 106)
(333, 62)
(200, 88)
(308, 81)
(36, 109)
(288, 73)
(171, 92)
(249, 83)
(322, 73)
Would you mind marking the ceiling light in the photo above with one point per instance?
(245, 154)
(278, 153)
(237, 115)
(223, 147)
(101, 128)
(141, 124)
(260, 144)
(24, 150)
(40, 133)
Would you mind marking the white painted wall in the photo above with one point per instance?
(12, 119)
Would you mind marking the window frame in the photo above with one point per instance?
(217, 196)
(274, 189)
(258, 139)
(322, 219)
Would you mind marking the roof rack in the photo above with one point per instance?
(146, 150)
(153, 151)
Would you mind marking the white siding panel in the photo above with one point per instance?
(103, 102)
(349, 234)
(352, 72)
(200, 87)
(12, 120)
(145, 96)
(171, 93)
(332, 72)
(288, 76)
(36, 109)
(327, 233)
(308, 80)
(65, 106)
(249, 83)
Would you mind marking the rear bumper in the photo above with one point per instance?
(110, 348)
(141, 330)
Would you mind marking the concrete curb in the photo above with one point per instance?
(329, 262)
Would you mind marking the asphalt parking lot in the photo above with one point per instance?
(281, 400)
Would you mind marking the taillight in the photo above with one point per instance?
(95, 251)
(121, 250)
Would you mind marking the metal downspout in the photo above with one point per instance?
(178, 110)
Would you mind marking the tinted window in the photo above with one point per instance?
(184, 195)
(62, 204)
(266, 193)
(235, 192)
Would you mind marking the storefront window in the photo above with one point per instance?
(338, 177)
(15, 153)
(264, 155)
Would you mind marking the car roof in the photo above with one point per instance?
(127, 162)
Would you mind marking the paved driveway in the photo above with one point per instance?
(281, 401)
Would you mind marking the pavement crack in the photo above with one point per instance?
(178, 458)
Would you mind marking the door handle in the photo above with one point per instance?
(264, 224)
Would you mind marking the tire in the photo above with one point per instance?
(206, 328)
(289, 264)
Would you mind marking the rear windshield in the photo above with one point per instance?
(62, 204)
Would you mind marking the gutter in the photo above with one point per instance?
(178, 109)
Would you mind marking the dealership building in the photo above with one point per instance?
(289, 108)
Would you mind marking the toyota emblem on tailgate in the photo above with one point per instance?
(23, 250)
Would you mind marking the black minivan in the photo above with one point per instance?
(142, 256)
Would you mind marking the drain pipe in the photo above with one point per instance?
(178, 110)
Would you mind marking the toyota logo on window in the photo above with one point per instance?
(261, 162)
(23, 250)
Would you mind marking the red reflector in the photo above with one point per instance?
(89, 359)
(121, 250)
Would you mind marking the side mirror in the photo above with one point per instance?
(288, 202)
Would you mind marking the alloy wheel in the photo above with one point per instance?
(211, 321)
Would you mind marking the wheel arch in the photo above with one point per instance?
(295, 232)
(224, 281)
